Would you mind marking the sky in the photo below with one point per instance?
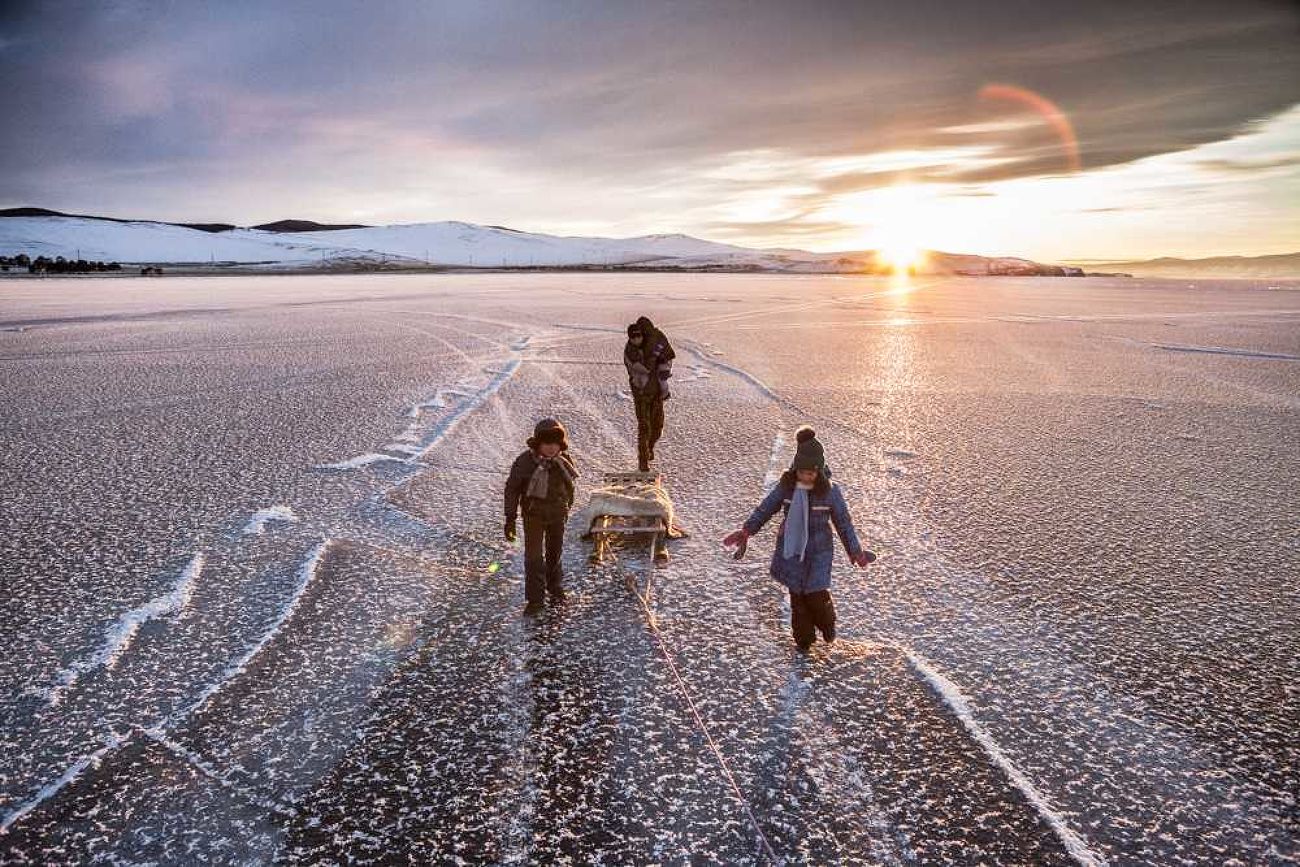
(1053, 130)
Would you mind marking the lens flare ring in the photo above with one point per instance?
(1046, 109)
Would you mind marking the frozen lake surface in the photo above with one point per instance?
(256, 607)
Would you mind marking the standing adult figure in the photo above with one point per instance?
(648, 357)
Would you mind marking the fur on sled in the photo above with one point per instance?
(632, 501)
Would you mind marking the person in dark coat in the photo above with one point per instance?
(541, 485)
(812, 505)
(648, 357)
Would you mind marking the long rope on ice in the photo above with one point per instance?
(703, 727)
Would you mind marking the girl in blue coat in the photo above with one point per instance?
(805, 547)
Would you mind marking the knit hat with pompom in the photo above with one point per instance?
(809, 455)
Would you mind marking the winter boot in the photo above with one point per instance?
(532, 609)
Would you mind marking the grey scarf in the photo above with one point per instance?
(539, 484)
(796, 523)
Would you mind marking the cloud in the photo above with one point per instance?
(132, 87)
(797, 226)
(1249, 166)
(551, 115)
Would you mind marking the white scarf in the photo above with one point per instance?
(796, 522)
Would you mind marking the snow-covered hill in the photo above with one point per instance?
(447, 244)
(106, 240)
(1285, 266)
(470, 245)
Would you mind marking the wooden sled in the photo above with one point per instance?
(607, 528)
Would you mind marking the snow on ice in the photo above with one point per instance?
(1066, 657)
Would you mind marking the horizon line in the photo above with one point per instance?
(192, 224)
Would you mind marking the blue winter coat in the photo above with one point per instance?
(826, 506)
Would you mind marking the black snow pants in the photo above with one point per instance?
(543, 547)
(810, 612)
(649, 426)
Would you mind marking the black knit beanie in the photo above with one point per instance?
(809, 455)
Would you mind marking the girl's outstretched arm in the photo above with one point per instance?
(844, 524)
(770, 506)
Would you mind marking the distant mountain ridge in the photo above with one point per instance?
(307, 226)
(46, 212)
(1282, 266)
(277, 226)
(307, 245)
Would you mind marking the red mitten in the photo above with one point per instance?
(737, 538)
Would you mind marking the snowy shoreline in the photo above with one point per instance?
(445, 245)
(255, 269)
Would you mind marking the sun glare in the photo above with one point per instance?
(900, 256)
(900, 226)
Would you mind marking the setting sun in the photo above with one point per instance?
(900, 216)
(901, 256)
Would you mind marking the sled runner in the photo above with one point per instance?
(630, 506)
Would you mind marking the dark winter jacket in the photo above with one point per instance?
(826, 507)
(651, 364)
(559, 490)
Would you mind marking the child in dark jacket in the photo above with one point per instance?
(541, 485)
(648, 357)
(805, 547)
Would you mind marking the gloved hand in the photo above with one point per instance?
(738, 540)
(739, 537)
(511, 532)
(663, 384)
(864, 558)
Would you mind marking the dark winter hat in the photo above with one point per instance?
(548, 430)
(810, 455)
